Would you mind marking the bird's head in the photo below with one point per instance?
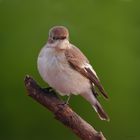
(58, 37)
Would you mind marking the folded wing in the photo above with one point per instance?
(80, 63)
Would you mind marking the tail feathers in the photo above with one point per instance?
(96, 105)
(101, 113)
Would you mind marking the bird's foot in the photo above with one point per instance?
(63, 104)
(48, 89)
(61, 107)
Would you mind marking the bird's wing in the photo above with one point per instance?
(79, 62)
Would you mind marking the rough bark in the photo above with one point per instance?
(62, 112)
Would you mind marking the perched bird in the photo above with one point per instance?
(66, 69)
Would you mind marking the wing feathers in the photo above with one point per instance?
(96, 81)
(80, 63)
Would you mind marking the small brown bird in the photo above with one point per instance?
(66, 69)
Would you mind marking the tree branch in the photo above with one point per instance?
(62, 112)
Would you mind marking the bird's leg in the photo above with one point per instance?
(61, 106)
(67, 102)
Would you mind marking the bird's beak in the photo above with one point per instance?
(63, 44)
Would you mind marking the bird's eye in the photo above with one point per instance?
(55, 38)
(59, 38)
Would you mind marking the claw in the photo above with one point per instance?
(50, 89)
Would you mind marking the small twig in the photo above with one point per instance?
(62, 112)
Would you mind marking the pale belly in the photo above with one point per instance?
(59, 75)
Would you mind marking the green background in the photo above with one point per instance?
(107, 31)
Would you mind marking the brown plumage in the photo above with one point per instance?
(77, 64)
(65, 68)
(80, 65)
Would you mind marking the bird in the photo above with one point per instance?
(67, 70)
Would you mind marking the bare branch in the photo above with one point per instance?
(62, 112)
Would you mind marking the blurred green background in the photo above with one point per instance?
(108, 32)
